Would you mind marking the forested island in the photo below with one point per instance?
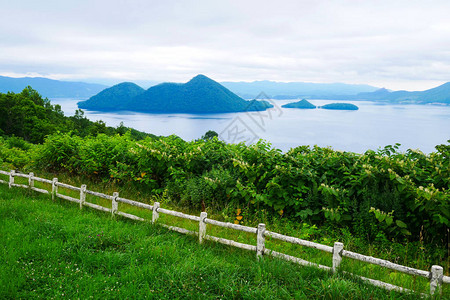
(340, 106)
(200, 95)
(302, 104)
(305, 104)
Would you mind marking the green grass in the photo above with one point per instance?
(54, 250)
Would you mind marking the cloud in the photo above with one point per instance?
(397, 44)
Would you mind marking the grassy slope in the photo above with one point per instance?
(52, 249)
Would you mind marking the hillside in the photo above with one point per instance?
(440, 94)
(200, 95)
(302, 104)
(113, 97)
(50, 88)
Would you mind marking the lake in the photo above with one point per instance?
(371, 127)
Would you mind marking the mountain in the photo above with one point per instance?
(303, 104)
(295, 89)
(50, 88)
(440, 94)
(112, 98)
(200, 95)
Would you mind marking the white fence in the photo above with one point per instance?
(435, 275)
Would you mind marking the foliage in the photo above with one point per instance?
(210, 134)
(315, 185)
(14, 153)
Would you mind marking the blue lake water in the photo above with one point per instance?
(371, 127)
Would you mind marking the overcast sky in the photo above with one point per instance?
(395, 44)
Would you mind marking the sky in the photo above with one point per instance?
(394, 44)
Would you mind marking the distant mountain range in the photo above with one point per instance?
(248, 90)
(200, 95)
(438, 95)
(50, 88)
(294, 90)
(340, 91)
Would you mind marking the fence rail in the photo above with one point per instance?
(435, 275)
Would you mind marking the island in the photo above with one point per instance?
(201, 95)
(340, 106)
(302, 104)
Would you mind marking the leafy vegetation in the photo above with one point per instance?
(199, 95)
(315, 185)
(32, 117)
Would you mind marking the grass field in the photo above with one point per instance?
(55, 250)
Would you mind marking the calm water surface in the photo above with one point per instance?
(371, 127)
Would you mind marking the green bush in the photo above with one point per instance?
(306, 184)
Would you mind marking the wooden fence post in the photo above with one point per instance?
(437, 272)
(11, 178)
(155, 214)
(54, 188)
(82, 195)
(202, 227)
(114, 204)
(31, 180)
(337, 255)
(260, 240)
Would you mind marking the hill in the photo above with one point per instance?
(109, 98)
(289, 90)
(302, 104)
(200, 95)
(340, 106)
(50, 88)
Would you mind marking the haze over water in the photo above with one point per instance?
(371, 127)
